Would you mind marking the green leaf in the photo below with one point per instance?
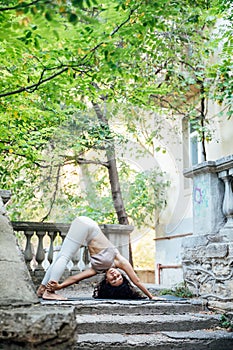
(77, 3)
(48, 16)
(73, 18)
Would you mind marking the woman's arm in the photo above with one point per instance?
(53, 285)
(124, 265)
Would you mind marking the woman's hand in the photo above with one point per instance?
(52, 286)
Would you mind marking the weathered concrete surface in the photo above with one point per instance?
(37, 327)
(207, 266)
(207, 255)
(221, 307)
(137, 307)
(144, 323)
(84, 304)
(16, 287)
(196, 340)
(24, 322)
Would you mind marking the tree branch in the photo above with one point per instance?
(123, 23)
(111, 34)
(23, 5)
(54, 194)
(79, 160)
(24, 156)
(165, 101)
(33, 87)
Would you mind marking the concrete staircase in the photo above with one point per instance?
(158, 325)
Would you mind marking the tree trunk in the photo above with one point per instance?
(203, 122)
(113, 174)
(114, 179)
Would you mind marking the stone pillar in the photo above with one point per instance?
(207, 255)
(119, 236)
(208, 194)
(16, 287)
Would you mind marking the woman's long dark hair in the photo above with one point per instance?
(104, 290)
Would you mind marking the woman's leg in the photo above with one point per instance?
(81, 231)
(56, 269)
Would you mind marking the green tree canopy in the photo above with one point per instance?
(59, 56)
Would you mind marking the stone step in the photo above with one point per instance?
(192, 340)
(121, 307)
(136, 324)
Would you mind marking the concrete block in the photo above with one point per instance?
(194, 241)
(16, 285)
(230, 250)
(217, 250)
(119, 236)
(38, 327)
(208, 193)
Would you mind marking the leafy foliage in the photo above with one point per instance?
(221, 72)
(145, 195)
(58, 56)
(180, 291)
(73, 182)
(226, 322)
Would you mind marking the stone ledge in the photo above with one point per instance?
(85, 304)
(16, 285)
(221, 164)
(203, 340)
(220, 306)
(37, 327)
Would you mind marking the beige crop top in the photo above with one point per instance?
(102, 261)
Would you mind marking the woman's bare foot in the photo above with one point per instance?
(40, 291)
(52, 296)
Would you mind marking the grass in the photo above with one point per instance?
(226, 322)
(180, 291)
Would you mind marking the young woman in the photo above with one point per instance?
(104, 258)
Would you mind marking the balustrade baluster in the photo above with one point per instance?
(63, 235)
(28, 255)
(227, 206)
(75, 260)
(86, 258)
(40, 254)
(52, 236)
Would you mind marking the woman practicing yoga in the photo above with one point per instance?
(104, 258)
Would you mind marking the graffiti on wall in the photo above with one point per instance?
(201, 198)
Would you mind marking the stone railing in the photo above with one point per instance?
(207, 256)
(43, 241)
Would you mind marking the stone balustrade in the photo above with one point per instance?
(207, 256)
(43, 241)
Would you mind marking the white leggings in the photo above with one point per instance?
(81, 232)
